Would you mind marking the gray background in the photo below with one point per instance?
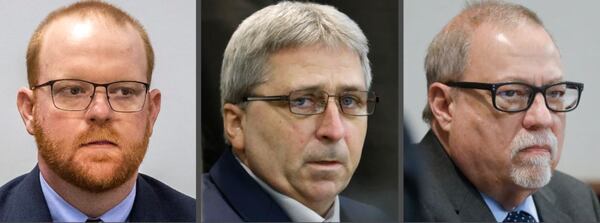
(171, 25)
(574, 26)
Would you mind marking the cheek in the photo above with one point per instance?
(560, 122)
(56, 124)
(131, 127)
(356, 132)
(559, 130)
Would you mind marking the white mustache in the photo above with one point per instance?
(527, 139)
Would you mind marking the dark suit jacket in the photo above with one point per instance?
(22, 200)
(229, 194)
(449, 196)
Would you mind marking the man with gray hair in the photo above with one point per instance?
(295, 98)
(497, 100)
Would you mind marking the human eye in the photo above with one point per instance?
(349, 100)
(556, 92)
(303, 101)
(71, 91)
(124, 91)
(512, 92)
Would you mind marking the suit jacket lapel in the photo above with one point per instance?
(448, 183)
(28, 202)
(244, 195)
(147, 205)
(545, 201)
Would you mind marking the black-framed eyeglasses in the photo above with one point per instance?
(517, 97)
(310, 102)
(77, 95)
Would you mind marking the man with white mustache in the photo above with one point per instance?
(497, 100)
(536, 171)
(295, 99)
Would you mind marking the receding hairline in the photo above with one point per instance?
(97, 11)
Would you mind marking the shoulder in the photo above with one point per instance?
(166, 199)
(22, 199)
(562, 183)
(215, 207)
(7, 193)
(572, 197)
(352, 210)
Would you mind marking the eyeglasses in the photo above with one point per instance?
(310, 102)
(516, 97)
(77, 95)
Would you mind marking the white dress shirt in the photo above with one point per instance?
(296, 210)
(500, 214)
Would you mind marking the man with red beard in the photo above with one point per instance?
(497, 99)
(91, 111)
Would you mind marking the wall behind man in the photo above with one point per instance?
(171, 26)
(574, 26)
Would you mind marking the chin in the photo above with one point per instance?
(325, 190)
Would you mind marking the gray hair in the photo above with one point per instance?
(281, 26)
(448, 53)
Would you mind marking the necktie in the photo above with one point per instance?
(520, 216)
(93, 220)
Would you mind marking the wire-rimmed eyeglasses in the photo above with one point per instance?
(517, 97)
(77, 95)
(310, 102)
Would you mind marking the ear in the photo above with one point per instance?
(154, 107)
(233, 118)
(25, 103)
(441, 104)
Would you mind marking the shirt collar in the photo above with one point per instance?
(62, 211)
(500, 214)
(296, 210)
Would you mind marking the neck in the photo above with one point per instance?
(508, 199)
(91, 204)
(321, 207)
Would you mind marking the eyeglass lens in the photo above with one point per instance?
(515, 97)
(314, 102)
(77, 95)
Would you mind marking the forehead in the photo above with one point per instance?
(523, 53)
(331, 69)
(77, 47)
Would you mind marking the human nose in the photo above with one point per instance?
(99, 110)
(331, 127)
(538, 116)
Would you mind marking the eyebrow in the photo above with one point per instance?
(516, 80)
(341, 88)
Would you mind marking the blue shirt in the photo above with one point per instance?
(61, 211)
(500, 214)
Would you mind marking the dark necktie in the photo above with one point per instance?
(93, 220)
(520, 216)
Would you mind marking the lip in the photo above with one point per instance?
(536, 149)
(99, 143)
(325, 164)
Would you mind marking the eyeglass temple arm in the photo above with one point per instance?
(266, 98)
